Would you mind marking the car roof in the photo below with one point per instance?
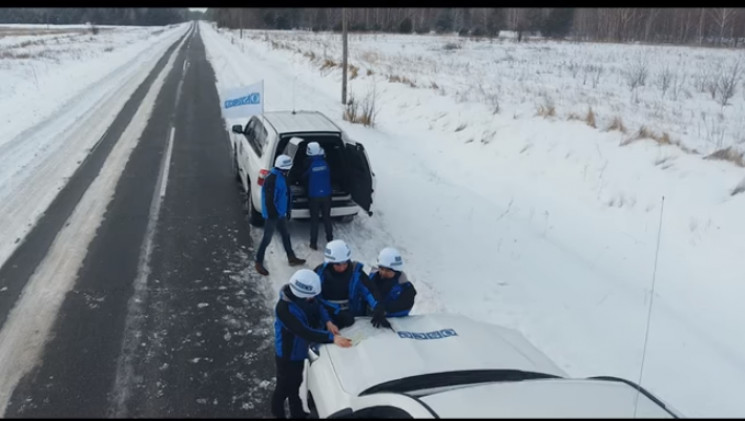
(431, 343)
(299, 121)
(546, 398)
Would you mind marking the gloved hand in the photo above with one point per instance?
(289, 215)
(378, 319)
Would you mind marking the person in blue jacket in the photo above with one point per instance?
(393, 289)
(299, 317)
(317, 177)
(345, 285)
(276, 208)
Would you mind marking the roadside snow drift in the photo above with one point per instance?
(59, 94)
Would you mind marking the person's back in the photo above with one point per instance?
(276, 207)
(317, 176)
(275, 195)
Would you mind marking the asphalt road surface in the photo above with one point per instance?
(167, 317)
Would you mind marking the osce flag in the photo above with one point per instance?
(244, 101)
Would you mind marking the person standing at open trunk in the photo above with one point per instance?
(276, 207)
(317, 177)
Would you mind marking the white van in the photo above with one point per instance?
(264, 137)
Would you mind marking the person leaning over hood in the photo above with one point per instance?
(394, 291)
(343, 282)
(299, 317)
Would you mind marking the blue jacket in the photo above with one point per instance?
(397, 294)
(351, 286)
(318, 177)
(296, 325)
(276, 197)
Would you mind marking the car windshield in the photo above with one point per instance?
(454, 378)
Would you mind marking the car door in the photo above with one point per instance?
(362, 179)
(243, 151)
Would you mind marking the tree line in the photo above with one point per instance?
(140, 16)
(704, 26)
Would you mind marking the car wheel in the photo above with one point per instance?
(254, 217)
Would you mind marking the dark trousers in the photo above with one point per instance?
(322, 205)
(269, 225)
(289, 378)
(342, 319)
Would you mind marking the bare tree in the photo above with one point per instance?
(701, 27)
(722, 18)
(676, 25)
(625, 19)
(727, 83)
(650, 20)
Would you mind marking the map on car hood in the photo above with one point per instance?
(361, 330)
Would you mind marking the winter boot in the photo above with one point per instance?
(261, 269)
(294, 261)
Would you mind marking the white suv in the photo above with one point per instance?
(449, 366)
(266, 136)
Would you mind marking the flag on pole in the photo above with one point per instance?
(244, 101)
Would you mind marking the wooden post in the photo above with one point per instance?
(344, 60)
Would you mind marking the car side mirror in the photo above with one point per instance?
(238, 129)
(313, 353)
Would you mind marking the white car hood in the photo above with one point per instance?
(545, 398)
(433, 343)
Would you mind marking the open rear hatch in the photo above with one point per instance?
(351, 178)
(360, 175)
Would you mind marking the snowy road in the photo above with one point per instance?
(130, 297)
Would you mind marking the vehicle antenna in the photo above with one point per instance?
(649, 310)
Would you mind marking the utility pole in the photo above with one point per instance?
(344, 60)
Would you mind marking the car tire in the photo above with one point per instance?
(254, 217)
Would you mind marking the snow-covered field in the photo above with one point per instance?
(667, 89)
(546, 225)
(60, 89)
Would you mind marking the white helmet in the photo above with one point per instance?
(314, 149)
(283, 162)
(337, 251)
(305, 283)
(390, 258)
